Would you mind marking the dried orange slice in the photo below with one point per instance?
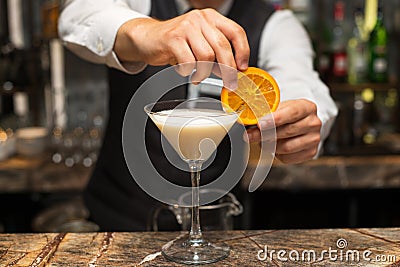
(256, 89)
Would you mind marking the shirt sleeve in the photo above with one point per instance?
(287, 54)
(89, 28)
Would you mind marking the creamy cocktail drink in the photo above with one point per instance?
(194, 133)
(194, 128)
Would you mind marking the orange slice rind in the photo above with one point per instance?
(257, 95)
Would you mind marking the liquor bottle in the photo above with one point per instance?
(357, 51)
(338, 45)
(3, 23)
(50, 13)
(323, 44)
(378, 62)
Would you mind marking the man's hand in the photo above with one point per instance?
(297, 130)
(199, 35)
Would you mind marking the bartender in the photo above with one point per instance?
(138, 38)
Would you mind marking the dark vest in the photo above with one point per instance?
(115, 201)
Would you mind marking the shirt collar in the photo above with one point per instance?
(184, 5)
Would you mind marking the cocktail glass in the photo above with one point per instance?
(194, 128)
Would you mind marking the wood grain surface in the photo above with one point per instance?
(324, 247)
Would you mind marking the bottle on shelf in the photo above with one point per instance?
(322, 47)
(339, 43)
(357, 51)
(21, 109)
(378, 41)
(50, 13)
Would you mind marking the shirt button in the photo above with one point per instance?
(100, 47)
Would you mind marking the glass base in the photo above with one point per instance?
(195, 252)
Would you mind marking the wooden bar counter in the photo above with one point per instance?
(325, 247)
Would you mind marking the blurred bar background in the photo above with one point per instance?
(53, 107)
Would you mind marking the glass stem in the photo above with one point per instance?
(195, 235)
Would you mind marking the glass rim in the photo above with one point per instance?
(148, 107)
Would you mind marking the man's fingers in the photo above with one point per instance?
(237, 36)
(294, 110)
(210, 38)
(297, 131)
(183, 56)
(203, 71)
(252, 135)
(298, 157)
(267, 122)
(216, 70)
(228, 74)
(255, 135)
(297, 144)
(223, 53)
(229, 77)
(203, 53)
(288, 112)
(303, 126)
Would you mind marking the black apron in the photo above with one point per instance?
(114, 200)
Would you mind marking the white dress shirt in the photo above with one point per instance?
(89, 28)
